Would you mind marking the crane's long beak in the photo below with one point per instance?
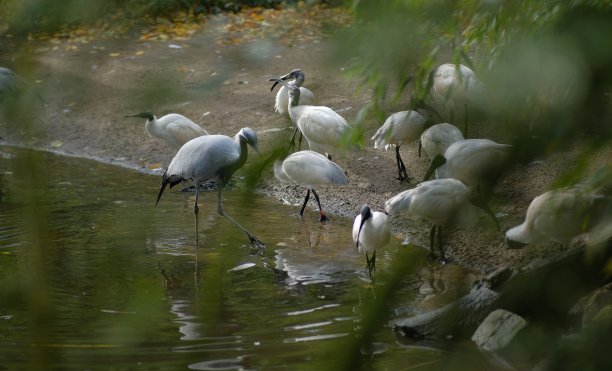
(435, 163)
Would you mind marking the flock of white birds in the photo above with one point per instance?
(464, 170)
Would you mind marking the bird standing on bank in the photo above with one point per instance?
(325, 130)
(371, 231)
(281, 105)
(478, 163)
(174, 129)
(211, 157)
(400, 128)
(453, 87)
(444, 202)
(560, 215)
(308, 169)
(296, 78)
(436, 139)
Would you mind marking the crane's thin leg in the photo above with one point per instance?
(305, 201)
(252, 239)
(196, 272)
(195, 213)
(401, 168)
(323, 218)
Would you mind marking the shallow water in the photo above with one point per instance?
(93, 276)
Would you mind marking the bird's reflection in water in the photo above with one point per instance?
(443, 283)
(181, 304)
(312, 255)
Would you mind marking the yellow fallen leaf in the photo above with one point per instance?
(140, 52)
(114, 54)
(57, 144)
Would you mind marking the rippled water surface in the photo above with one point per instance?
(93, 276)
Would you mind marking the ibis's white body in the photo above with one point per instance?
(442, 201)
(453, 87)
(282, 99)
(560, 216)
(436, 139)
(375, 232)
(174, 129)
(309, 169)
(323, 128)
(399, 128)
(474, 161)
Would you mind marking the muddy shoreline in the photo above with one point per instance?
(225, 88)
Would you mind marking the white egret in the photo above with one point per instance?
(324, 129)
(478, 163)
(559, 215)
(436, 139)
(174, 129)
(400, 128)
(307, 169)
(282, 96)
(211, 157)
(454, 86)
(371, 231)
(444, 202)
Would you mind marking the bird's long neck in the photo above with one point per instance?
(230, 170)
(244, 150)
(295, 112)
(294, 103)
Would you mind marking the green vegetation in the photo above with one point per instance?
(546, 65)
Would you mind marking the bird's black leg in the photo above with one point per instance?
(323, 218)
(305, 202)
(401, 168)
(371, 263)
(432, 236)
(300, 140)
(441, 247)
